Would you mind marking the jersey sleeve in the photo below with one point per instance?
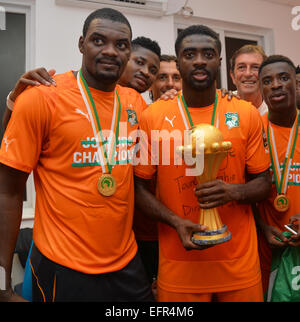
(26, 131)
(144, 160)
(257, 158)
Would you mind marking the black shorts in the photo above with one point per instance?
(52, 282)
(149, 254)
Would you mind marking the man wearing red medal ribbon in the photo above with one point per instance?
(278, 84)
(84, 246)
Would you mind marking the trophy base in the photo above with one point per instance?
(212, 237)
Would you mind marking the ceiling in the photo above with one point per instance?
(285, 2)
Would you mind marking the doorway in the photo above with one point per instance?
(12, 55)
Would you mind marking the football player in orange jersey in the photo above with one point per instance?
(278, 83)
(188, 272)
(82, 202)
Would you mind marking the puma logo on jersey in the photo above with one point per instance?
(82, 113)
(7, 143)
(170, 121)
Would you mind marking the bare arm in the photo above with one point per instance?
(12, 185)
(158, 211)
(216, 193)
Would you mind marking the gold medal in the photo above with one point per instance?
(106, 185)
(281, 203)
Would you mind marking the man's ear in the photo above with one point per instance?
(220, 62)
(80, 44)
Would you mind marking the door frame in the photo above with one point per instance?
(26, 7)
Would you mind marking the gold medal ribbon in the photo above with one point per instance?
(106, 156)
(281, 179)
(186, 116)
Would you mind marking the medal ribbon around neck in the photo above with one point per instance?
(281, 180)
(186, 116)
(106, 156)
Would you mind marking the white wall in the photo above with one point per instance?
(256, 13)
(58, 27)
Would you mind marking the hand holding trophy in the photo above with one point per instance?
(210, 150)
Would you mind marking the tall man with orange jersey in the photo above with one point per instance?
(84, 247)
(187, 272)
(139, 74)
(278, 83)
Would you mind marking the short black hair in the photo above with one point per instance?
(200, 30)
(298, 69)
(276, 59)
(105, 13)
(147, 43)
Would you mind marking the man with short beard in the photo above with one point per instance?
(84, 246)
(190, 272)
(140, 72)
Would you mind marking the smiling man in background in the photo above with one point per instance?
(244, 67)
(167, 78)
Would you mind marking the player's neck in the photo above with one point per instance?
(96, 83)
(285, 119)
(255, 99)
(196, 98)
